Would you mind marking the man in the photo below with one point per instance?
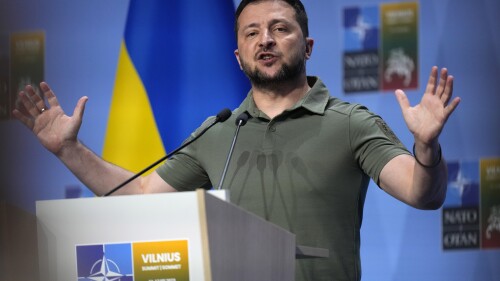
(304, 159)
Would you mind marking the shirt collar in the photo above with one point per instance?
(314, 101)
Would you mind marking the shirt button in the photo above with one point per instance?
(273, 129)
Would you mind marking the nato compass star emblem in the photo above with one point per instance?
(463, 184)
(460, 183)
(104, 262)
(105, 270)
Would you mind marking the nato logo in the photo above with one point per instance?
(361, 28)
(463, 184)
(104, 262)
(461, 214)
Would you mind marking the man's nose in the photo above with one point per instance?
(266, 40)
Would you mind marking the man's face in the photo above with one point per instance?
(271, 45)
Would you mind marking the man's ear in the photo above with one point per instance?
(309, 47)
(237, 55)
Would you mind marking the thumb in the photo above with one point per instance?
(403, 101)
(80, 107)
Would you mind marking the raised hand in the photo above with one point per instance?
(427, 119)
(50, 124)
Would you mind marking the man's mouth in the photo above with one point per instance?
(266, 57)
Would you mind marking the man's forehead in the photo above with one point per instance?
(260, 11)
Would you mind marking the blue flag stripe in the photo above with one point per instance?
(183, 52)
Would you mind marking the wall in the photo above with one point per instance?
(398, 242)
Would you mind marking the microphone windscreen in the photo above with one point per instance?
(242, 119)
(223, 115)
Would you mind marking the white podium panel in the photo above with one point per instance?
(161, 237)
(64, 224)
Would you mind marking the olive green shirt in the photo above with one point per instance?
(306, 170)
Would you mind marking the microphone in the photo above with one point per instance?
(241, 120)
(222, 116)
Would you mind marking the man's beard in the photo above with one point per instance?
(287, 73)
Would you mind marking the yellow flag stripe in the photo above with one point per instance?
(132, 138)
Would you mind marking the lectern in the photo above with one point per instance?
(161, 237)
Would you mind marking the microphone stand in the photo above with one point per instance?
(240, 122)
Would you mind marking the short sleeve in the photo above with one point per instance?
(373, 143)
(183, 171)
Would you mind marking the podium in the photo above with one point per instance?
(162, 237)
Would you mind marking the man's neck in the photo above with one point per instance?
(274, 100)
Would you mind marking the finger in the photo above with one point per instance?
(28, 122)
(451, 107)
(36, 99)
(403, 101)
(431, 84)
(442, 82)
(448, 92)
(49, 94)
(28, 103)
(80, 107)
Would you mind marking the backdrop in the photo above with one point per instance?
(83, 40)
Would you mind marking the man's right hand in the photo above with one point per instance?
(51, 125)
(58, 133)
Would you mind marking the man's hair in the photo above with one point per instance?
(300, 14)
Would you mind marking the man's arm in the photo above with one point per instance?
(417, 186)
(421, 180)
(58, 133)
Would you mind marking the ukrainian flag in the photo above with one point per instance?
(176, 67)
